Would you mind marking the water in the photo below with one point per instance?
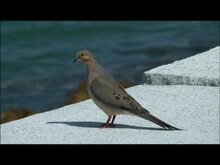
(36, 56)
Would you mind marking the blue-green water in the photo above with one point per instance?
(36, 56)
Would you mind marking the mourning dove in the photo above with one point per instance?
(110, 96)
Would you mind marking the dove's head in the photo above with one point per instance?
(83, 56)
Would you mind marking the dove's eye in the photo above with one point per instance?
(82, 54)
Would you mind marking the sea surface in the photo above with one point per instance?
(36, 56)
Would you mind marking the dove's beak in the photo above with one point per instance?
(75, 60)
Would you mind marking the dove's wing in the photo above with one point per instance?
(107, 90)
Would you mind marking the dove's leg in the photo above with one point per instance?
(106, 125)
(113, 119)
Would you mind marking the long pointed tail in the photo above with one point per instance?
(157, 121)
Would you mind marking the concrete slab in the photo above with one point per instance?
(201, 69)
(195, 109)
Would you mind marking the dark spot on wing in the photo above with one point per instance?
(116, 97)
(125, 108)
(113, 93)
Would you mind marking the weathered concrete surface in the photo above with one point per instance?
(201, 69)
(195, 109)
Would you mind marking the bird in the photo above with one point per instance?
(110, 96)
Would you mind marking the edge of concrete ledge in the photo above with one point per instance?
(201, 69)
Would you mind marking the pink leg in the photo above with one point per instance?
(106, 125)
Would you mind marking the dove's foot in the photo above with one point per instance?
(107, 125)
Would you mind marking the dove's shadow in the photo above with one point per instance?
(91, 124)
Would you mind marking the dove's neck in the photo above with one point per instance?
(94, 70)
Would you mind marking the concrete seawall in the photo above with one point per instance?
(202, 69)
(184, 94)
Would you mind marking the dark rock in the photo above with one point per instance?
(14, 114)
